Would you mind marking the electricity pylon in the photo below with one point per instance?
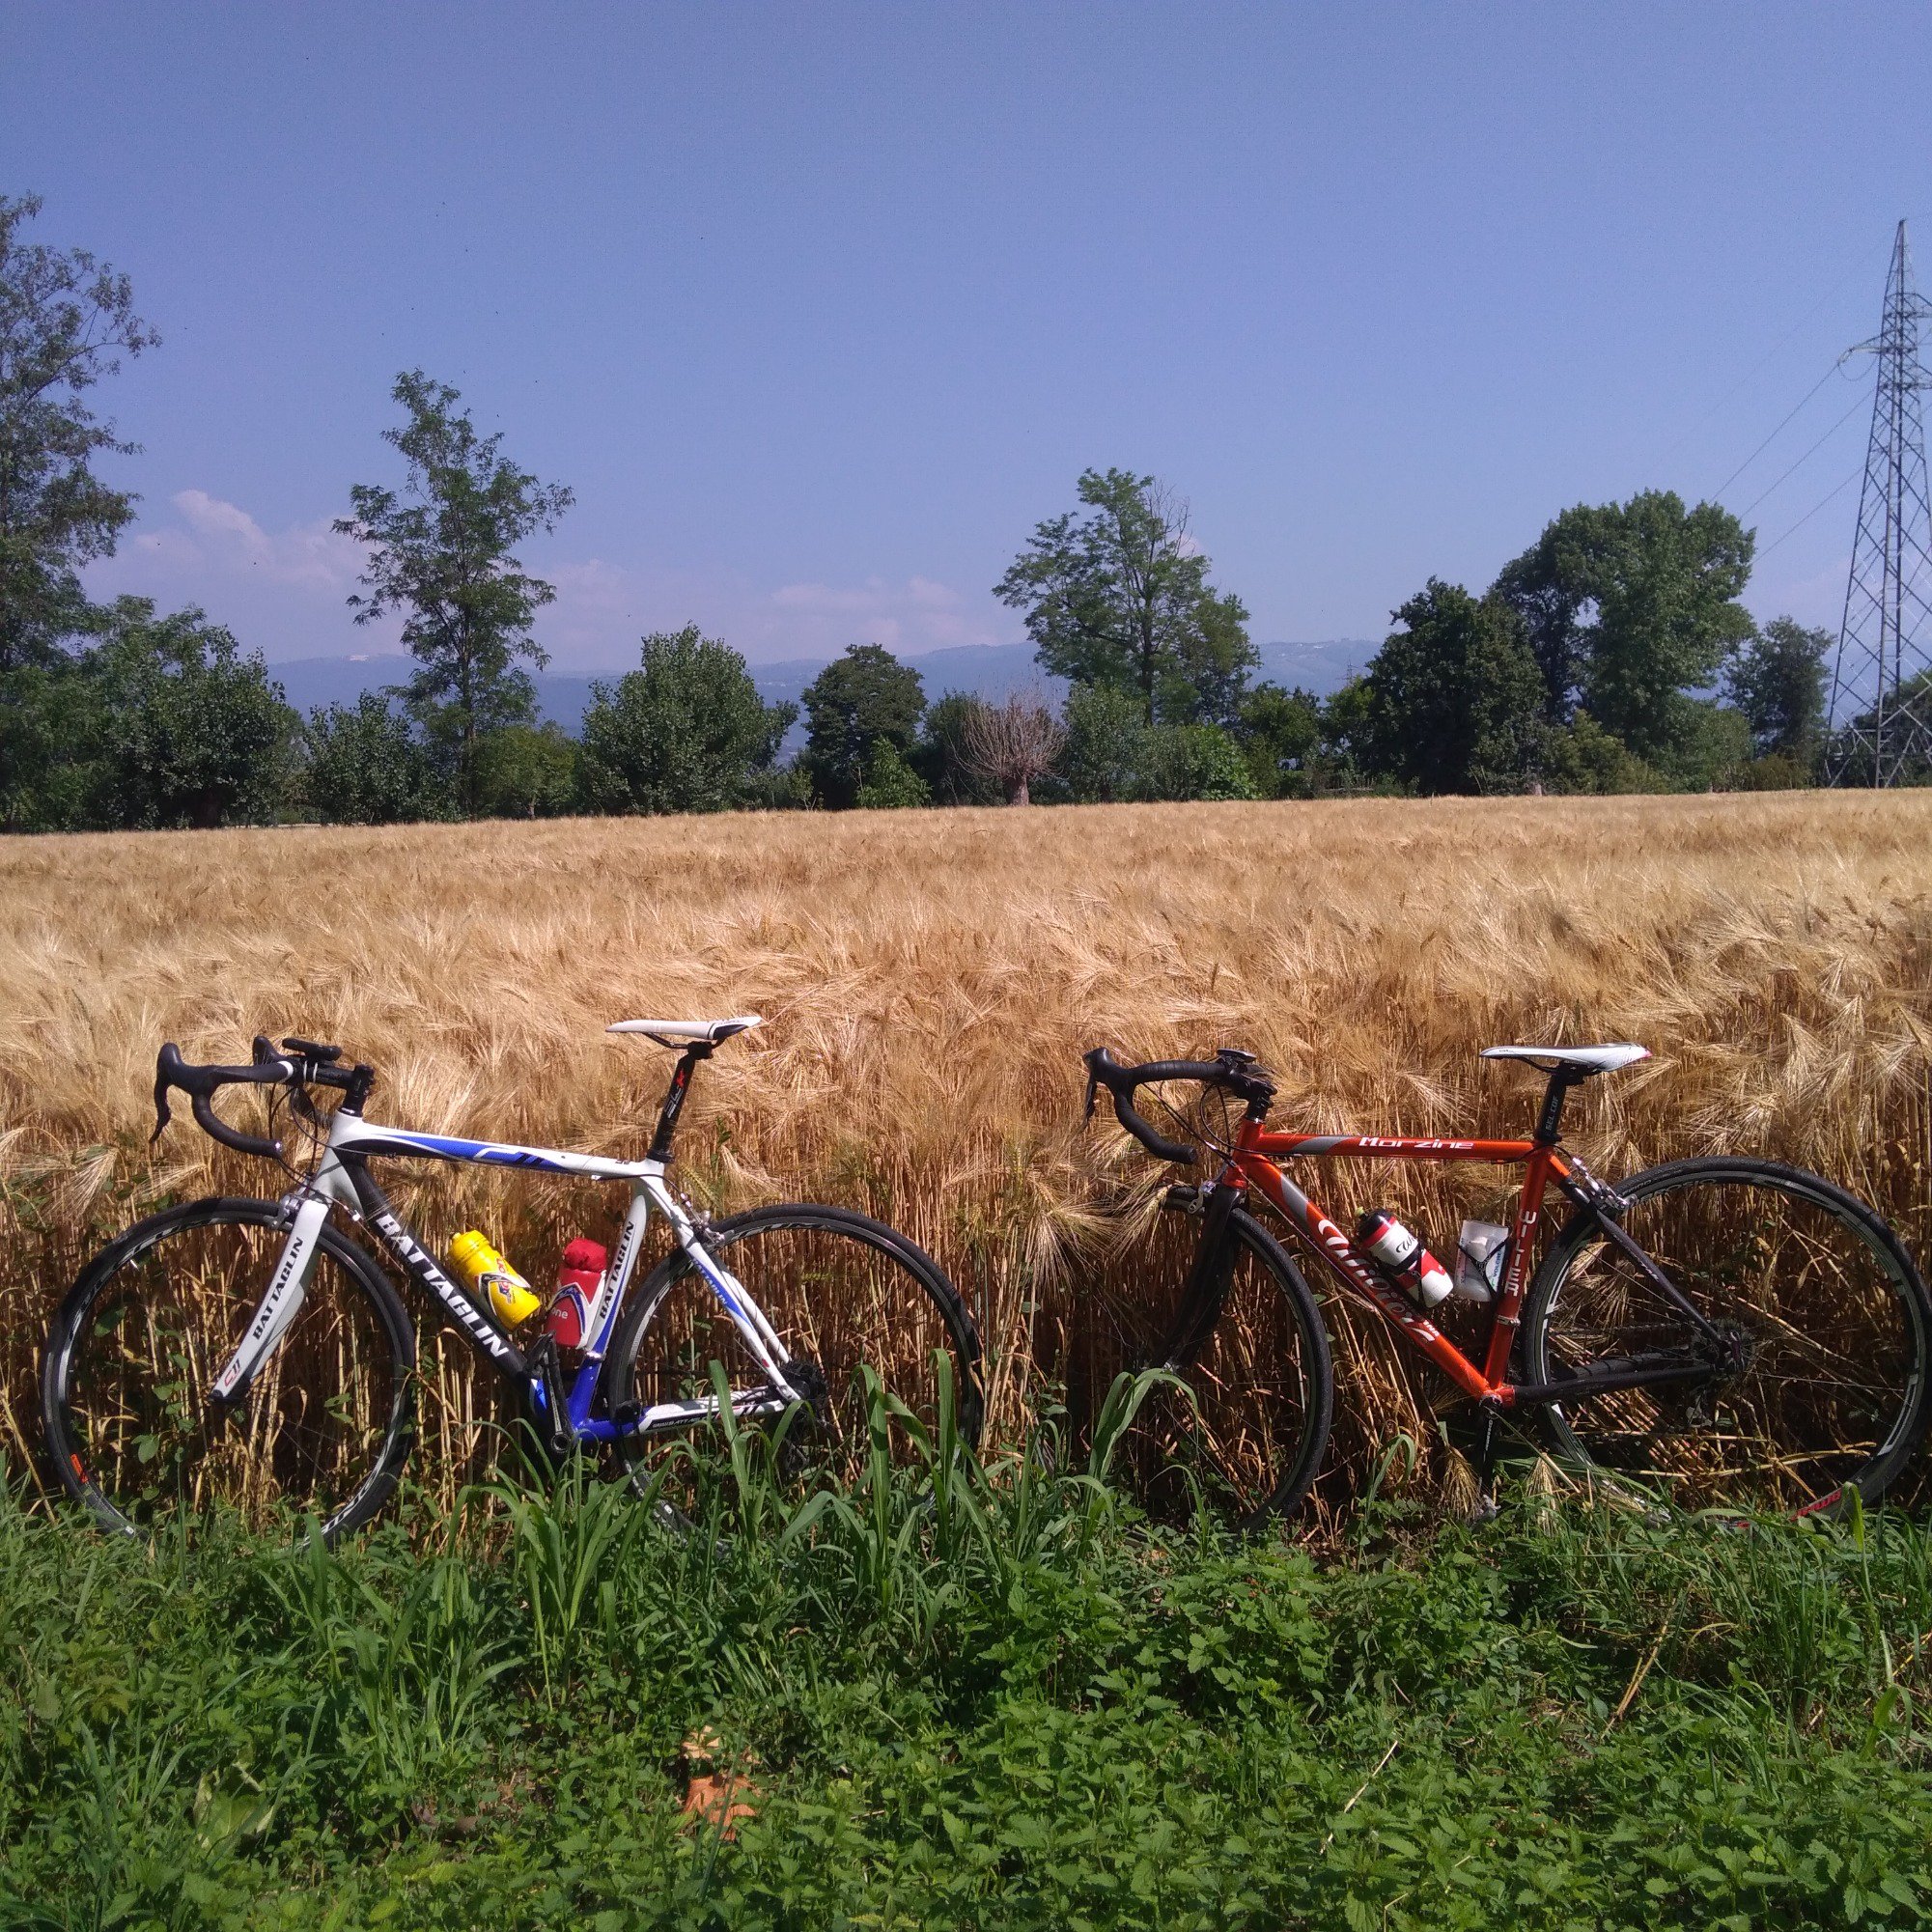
(1880, 712)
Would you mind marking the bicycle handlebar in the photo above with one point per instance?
(306, 1063)
(1231, 1070)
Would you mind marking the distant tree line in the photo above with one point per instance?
(1613, 654)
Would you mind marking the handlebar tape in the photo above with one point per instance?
(1104, 1071)
(201, 1083)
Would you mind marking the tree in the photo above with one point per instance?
(1279, 733)
(1581, 757)
(367, 767)
(858, 702)
(1104, 756)
(193, 733)
(1196, 762)
(679, 734)
(64, 320)
(1778, 681)
(943, 757)
(1453, 698)
(1632, 609)
(1013, 746)
(1121, 599)
(888, 782)
(442, 553)
(527, 772)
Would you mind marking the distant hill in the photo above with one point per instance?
(986, 670)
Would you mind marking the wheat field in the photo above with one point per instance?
(930, 980)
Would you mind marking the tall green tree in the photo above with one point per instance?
(1120, 597)
(1776, 679)
(65, 320)
(1454, 697)
(863, 716)
(442, 553)
(1631, 608)
(682, 733)
(191, 732)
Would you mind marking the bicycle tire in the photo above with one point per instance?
(1766, 1437)
(809, 1268)
(127, 1427)
(1248, 1437)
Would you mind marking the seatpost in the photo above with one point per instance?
(1549, 1126)
(674, 1098)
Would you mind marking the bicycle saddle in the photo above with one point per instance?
(665, 1031)
(1584, 1060)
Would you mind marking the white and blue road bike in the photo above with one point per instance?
(251, 1355)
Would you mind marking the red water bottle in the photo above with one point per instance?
(1403, 1258)
(575, 1305)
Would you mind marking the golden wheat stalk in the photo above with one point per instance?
(931, 979)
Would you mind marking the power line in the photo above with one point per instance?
(1835, 286)
(1858, 403)
(1773, 436)
(1836, 491)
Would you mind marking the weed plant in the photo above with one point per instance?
(966, 1697)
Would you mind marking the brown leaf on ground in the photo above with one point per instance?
(717, 1794)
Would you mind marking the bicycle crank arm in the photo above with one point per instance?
(667, 1416)
(1638, 1372)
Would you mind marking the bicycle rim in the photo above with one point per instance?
(1827, 1322)
(844, 1293)
(150, 1323)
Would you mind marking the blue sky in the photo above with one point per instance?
(818, 309)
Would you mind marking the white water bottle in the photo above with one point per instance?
(1482, 1252)
(1403, 1258)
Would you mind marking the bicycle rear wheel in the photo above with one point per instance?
(1829, 1323)
(137, 1343)
(842, 1291)
(1246, 1435)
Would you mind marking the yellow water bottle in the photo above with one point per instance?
(489, 1274)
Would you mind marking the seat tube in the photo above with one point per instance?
(1508, 1316)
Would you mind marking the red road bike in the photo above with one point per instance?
(1729, 1330)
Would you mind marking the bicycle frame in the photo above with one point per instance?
(342, 1180)
(1255, 1163)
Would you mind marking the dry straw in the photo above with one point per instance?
(931, 978)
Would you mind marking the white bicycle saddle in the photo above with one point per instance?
(666, 1031)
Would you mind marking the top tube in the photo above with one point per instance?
(1393, 1146)
(364, 1138)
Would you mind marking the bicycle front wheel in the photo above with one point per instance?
(1246, 1432)
(134, 1350)
(842, 1292)
(1826, 1322)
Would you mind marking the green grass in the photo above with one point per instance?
(992, 1700)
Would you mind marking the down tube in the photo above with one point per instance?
(1339, 1251)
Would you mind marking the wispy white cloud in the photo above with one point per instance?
(223, 540)
(286, 591)
(917, 614)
